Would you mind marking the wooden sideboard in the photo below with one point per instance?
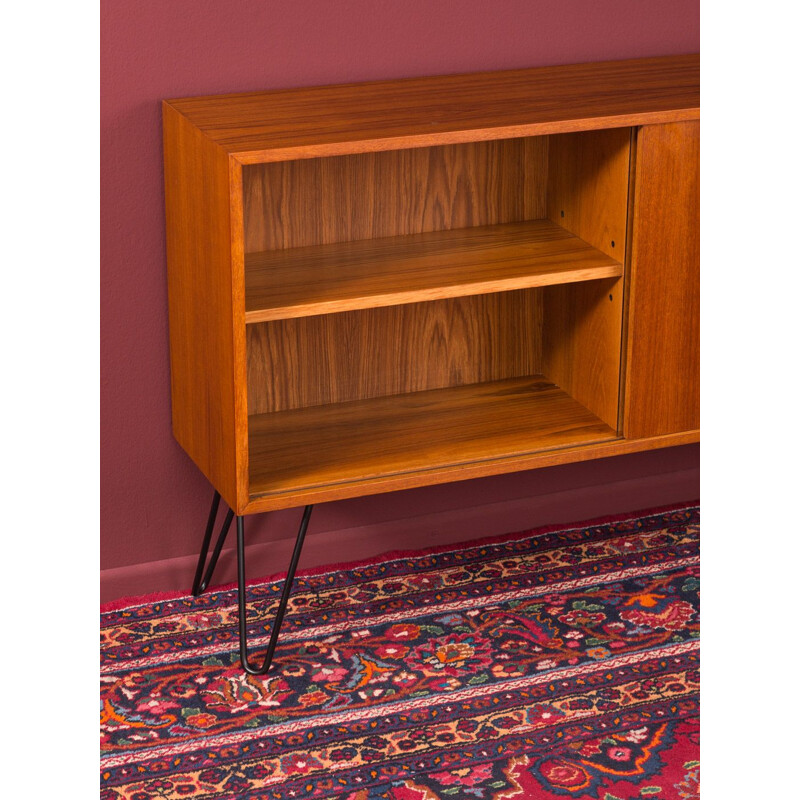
(393, 284)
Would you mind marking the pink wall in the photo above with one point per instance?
(153, 498)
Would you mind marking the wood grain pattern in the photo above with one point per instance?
(373, 195)
(358, 441)
(418, 112)
(364, 354)
(405, 269)
(206, 309)
(461, 472)
(581, 343)
(587, 187)
(536, 156)
(662, 376)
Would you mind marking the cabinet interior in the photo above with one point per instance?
(433, 305)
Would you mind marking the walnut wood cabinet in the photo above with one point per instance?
(393, 284)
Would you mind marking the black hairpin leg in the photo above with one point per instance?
(198, 586)
(201, 582)
(287, 588)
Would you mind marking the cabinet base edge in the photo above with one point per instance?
(459, 472)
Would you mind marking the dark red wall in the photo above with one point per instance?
(153, 498)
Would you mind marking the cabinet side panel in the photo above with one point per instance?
(587, 194)
(582, 341)
(356, 355)
(206, 304)
(347, 198)
(587, 190)
(662, 383)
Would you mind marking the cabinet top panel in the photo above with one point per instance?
(288, 124)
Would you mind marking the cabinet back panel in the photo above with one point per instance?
(357, 355)
(370, 195)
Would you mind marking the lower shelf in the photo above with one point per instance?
(292, 452)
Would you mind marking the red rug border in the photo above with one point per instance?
(395, 555)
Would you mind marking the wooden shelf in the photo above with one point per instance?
(323, 446)
(304, 281)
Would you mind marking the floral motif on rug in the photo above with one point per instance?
(558, 663)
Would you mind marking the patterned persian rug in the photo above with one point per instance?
(547, 664)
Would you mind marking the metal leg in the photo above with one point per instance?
(198, 585)
(287, 587)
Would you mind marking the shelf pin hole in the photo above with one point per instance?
(612, 243)
(562, 213)
(611, 297)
